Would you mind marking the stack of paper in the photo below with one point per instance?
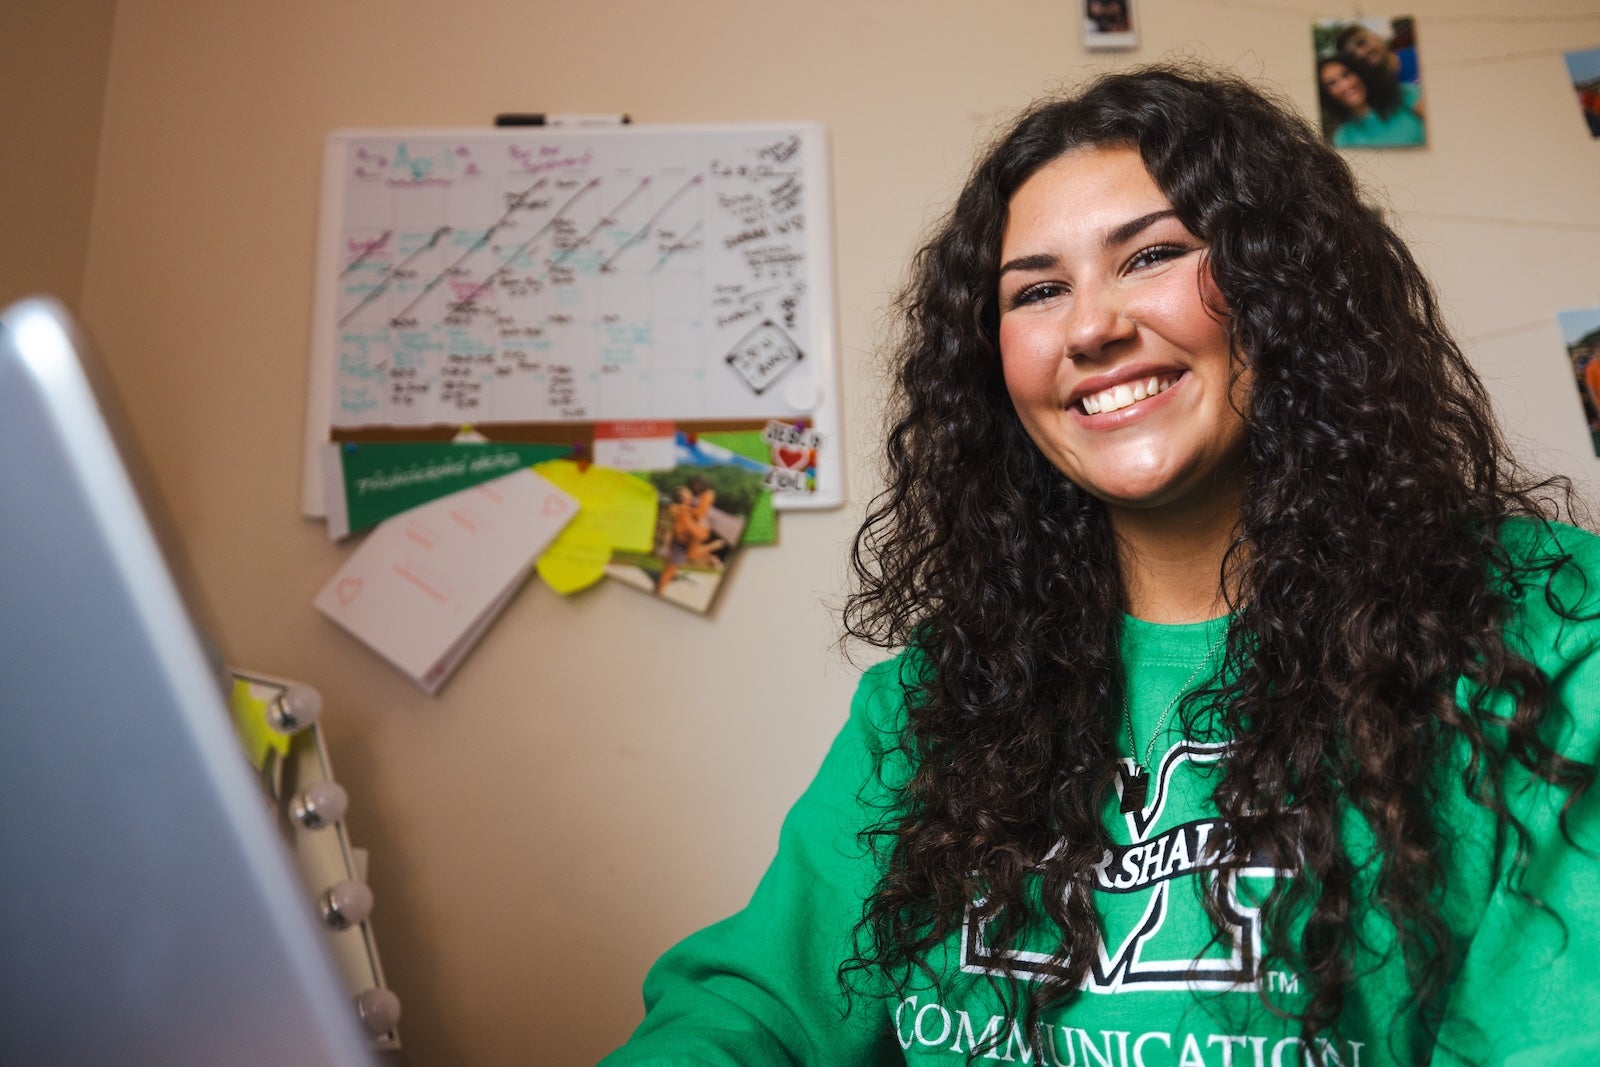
(425, 584)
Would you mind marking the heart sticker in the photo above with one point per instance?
(347, 590)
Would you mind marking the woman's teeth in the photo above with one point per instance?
(1120, 396)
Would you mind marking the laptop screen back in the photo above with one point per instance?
(149, 912)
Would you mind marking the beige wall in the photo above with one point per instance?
(52, 89)
(608, 772)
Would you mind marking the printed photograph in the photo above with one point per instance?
(704, 510)
(1108, 25)
(1584, 69)
(1581, 332)
(1369, 82)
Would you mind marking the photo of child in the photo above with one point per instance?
(688, 538)
(702, 517)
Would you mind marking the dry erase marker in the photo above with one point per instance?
(539, 118)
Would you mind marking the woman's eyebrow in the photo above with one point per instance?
(1124, 232)
(1037, 261)
(1133, 226)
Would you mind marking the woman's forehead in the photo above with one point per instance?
(1086, 192)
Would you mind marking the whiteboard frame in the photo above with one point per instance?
(827, 415)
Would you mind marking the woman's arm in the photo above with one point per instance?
(1529, 988)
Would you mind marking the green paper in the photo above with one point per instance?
(381, 480)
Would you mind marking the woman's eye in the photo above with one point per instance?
(1036, 292)
(1149, 257)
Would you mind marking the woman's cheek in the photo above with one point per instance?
(1024, 355)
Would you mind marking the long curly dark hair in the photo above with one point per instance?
(1366, 577)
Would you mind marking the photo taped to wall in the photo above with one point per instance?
(1369, 82)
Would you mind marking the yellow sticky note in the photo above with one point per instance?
(249, 706)
(573, 563)
(615, 510)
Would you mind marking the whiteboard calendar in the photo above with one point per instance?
(570, 275)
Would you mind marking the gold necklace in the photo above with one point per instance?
(1136, 783)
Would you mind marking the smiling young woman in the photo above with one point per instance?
(1247, 702)
(1119, 363)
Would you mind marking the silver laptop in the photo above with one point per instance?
(149, 910)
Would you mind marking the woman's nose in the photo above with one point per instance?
(1097, 320)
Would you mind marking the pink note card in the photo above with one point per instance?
(635, 445)
(425, 584)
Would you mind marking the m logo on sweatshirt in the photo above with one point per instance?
(1155, 934)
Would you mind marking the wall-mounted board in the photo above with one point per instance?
(534, 281)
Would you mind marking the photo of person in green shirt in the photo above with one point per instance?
(1369, 82)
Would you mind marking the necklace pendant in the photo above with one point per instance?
(1135, 789)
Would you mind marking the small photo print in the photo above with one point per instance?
(1584, 69)
(1369, 82)
(1581, 332)
(1108, 25)
(702, 517)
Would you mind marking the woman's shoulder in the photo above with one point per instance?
(1533, 542)
(884, 688)
(1554, 579)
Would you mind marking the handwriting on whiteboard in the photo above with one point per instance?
(558, 277)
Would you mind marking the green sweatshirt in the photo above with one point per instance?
(760, 988)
